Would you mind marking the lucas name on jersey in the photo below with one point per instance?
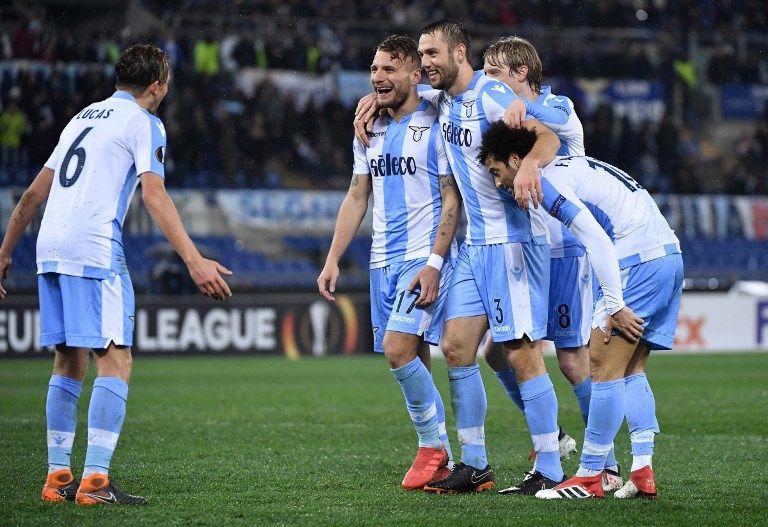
(95, 113)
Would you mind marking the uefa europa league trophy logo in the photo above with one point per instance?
(319, 312)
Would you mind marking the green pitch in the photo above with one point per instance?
(254, 441)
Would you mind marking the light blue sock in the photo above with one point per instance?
(61, 418)
(540, 402)
(469, 406)
(441, 423)
(641, 416)
(105, 420)
(583, 392)
(509, 382)
(419, 391)
(606, 412)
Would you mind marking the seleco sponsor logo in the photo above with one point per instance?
(390, 165)
(457, 135)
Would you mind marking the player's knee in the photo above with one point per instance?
(454, 353)
(398, 353)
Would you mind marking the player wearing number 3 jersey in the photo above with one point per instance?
(86, 296)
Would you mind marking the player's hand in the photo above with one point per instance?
(625, 322)
(207, 276)
(326, 282)
(514, 116)
(364, 113)
(5, 266)
(428, 280)
(528, 184)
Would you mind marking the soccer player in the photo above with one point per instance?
(514, 61)
(86, 296)
(415, 217)
(585, 194)
(501, 277)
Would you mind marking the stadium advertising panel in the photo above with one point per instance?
(292, 325)
(296, 325)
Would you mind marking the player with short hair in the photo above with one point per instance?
(86, 295)
(415, 217)
(637, 259)
(501, 277)
(515, 61)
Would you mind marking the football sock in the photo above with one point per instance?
(441, 430)
(509, 382)
(582, 391)
(540, 407)
(105, 420)
(419, 391)
(606, 412)
(641, 419)
(61, 418)
(469, 406)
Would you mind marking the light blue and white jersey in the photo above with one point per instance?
(556, 111)
(100, 154)
(621, 206)
(404, 161)
(493, 216)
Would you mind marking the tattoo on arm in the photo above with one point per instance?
(447, 182)
(355, 181)
(20, 209)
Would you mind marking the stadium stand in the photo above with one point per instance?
(263, 92)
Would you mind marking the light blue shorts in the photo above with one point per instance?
(508, 283)
(571, 301)
(652, 290)
(393, 306)
(86, 312)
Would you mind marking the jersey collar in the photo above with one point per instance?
(122, 94)
(545, 91)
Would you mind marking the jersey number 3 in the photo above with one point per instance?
(74, 151)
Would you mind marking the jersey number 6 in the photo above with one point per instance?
(74, 150)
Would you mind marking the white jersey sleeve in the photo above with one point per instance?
(562, 203)
(148, 144)
(360, 158)
(53, 160)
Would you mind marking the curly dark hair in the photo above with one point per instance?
(500, 141)
(401, 47)
(140, 65)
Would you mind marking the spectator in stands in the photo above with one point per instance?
(13, 126)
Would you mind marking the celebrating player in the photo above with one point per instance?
(415, 217)
(515, 61)
(86, 295)
(502, 274)
(587, 195)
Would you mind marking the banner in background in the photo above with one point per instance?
(742, 101)
(298, 325)
(288, 324)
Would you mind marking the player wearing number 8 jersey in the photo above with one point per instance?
(86, 296)
(636, 257)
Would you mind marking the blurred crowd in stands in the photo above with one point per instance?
(220, 136)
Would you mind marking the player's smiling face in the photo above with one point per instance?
(391, 79)
(503, 173)
(437, 61)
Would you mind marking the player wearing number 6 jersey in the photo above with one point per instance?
(86, 296)
(636, 257)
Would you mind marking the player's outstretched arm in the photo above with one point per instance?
(428, 278)
(351, 215)
(528, 179)
(207, 274)
(25, 210)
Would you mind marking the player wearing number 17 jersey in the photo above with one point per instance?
(86, 296)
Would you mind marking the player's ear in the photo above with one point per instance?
(460, 53)
(522, 73)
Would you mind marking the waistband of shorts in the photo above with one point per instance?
(650, 254)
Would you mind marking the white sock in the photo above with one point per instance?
(639, 462)
(587, 472)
